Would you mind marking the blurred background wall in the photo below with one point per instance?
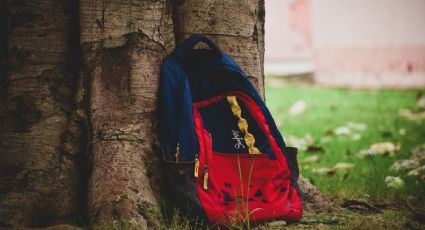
(355, 43)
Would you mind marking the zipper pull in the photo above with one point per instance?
(177, 155)
(196, 172)
(205, 185)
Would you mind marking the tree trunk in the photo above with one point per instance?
(39, 139)
(78, 129)
(123, 45)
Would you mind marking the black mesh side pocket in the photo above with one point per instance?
(181, 188)
(291, 157)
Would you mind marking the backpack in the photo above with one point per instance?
(224, 158)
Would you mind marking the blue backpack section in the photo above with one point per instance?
(189, 75)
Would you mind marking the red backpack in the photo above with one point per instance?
(225, 158)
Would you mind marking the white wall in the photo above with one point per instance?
(368, 23)
(287, 30)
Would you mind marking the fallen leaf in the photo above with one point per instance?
(385, 148)
(419, 152)
(357, 126)
(420, 171)
(365, 152)
(394, 182)
(404, 165)
(411, 115)
(342, 166)
(356, 137)
(310, 159)
(351, 129)
(402, 132)
(315, 149)
(343, 130)
(300, 143)
(331, 171)
(309, 139)
(298, 108)
(322, 170)
(296, 142)
(420, 101)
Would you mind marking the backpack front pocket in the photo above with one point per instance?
(243, 174)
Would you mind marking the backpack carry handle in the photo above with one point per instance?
(183, 50)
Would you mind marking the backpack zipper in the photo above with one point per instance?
(177, 155)
(205, 184)
(205, 173)
(196, 172)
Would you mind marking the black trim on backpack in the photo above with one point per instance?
(290, 154)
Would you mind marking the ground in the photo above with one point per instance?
(362, 148)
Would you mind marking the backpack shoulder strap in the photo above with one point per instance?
(176, 128)
(184, 50)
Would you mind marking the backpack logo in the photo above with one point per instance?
(238, 139)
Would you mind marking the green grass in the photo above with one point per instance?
(328, 109)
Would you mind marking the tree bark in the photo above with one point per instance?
(78, 101)
(39, 140)
(123, 45)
